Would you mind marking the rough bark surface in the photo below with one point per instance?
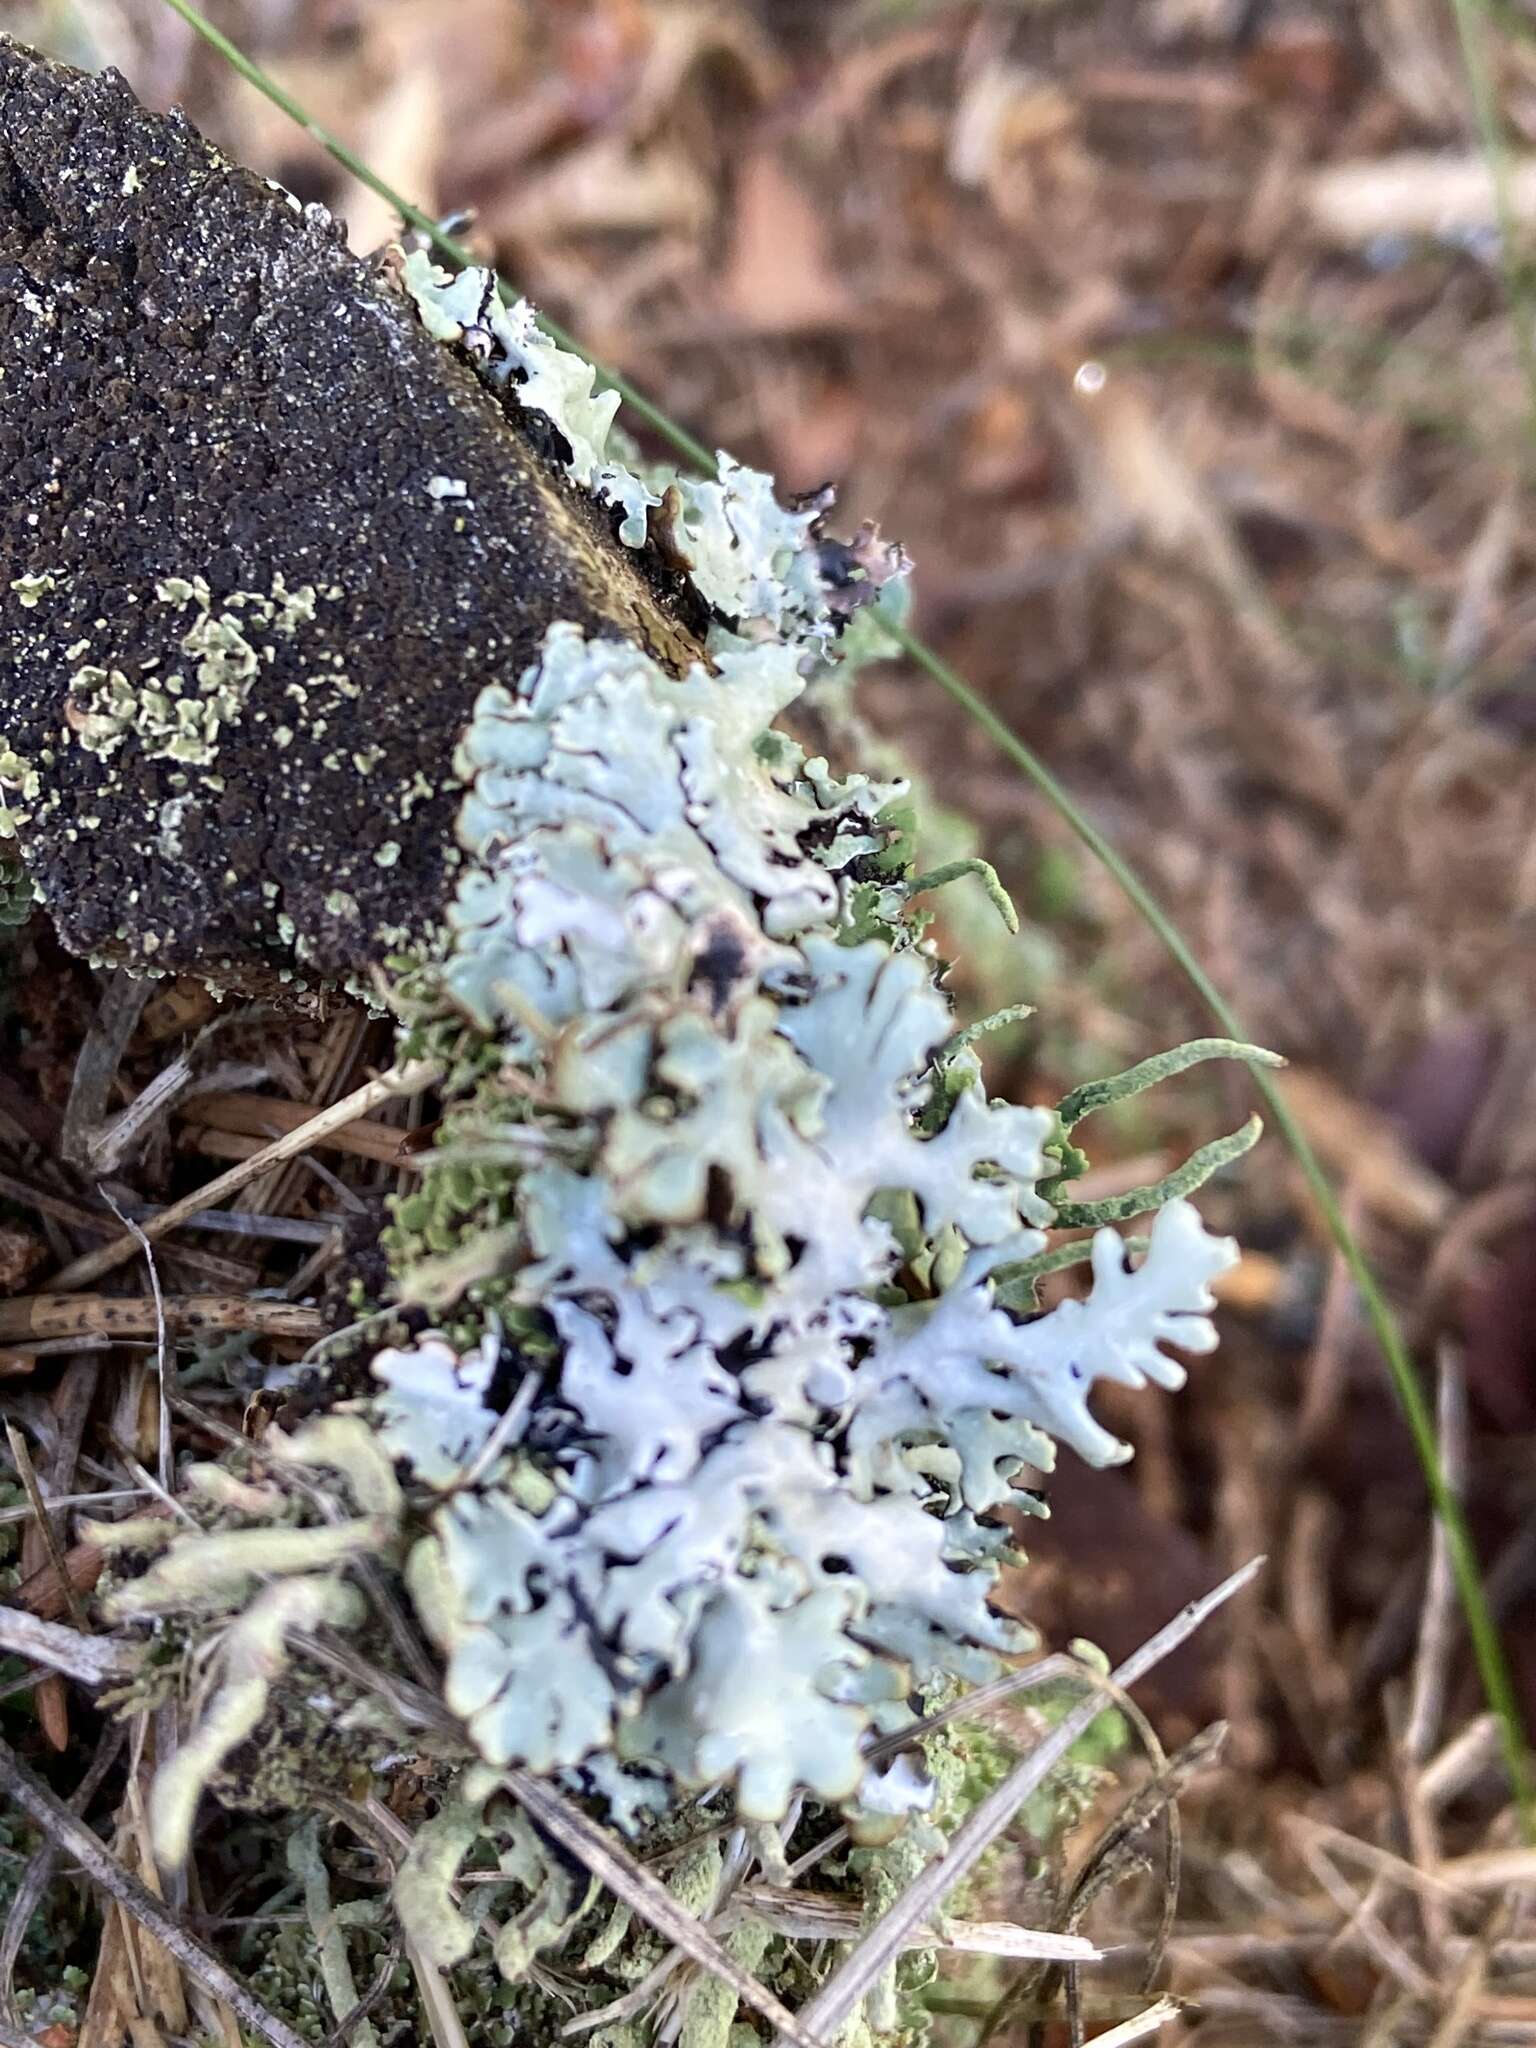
(248, 506)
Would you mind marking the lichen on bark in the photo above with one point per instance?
(695, 1494)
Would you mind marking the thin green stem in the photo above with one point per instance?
(1486, 1647)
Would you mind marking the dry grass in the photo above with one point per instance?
(1172, 340)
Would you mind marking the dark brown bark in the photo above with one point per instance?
(200, 382)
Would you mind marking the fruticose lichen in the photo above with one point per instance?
(695, 1490)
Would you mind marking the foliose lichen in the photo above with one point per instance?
(695, 1491)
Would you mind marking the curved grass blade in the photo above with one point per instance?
(1487, 1649)
(1094, 1095)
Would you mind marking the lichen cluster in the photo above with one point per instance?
(694, 1492)
(177, 717)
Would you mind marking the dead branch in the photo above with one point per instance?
(420, 1074)
(91, 1660)
(71, 1836)
(48, 1316)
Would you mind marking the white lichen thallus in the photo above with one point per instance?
(774, 1272)
(857, 1337)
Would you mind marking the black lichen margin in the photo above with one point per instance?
(198, 381)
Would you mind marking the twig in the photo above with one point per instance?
(70, 1834)
(1438, 1636)
(28, 1477)
(1472, 1750)
(247, 1223)
(416, 1705)
(630, 1881)
(349, 2021)
(398, 1081)
(1141, 2025)
(923, 1900)
(71, 1403)
(170, 1089)
(92, 1660)
(236, 1222)
(33, 1881)
(49, 1316)
(508, 1430)
(1363, 1923)
(1487, 1646)
(823, 1916)
(1489, 1870)
(162, 1344)
(75, 1214)
(970, 1704)
(123, 997)
(263, 1116)
(1122, 1849)
(61, 1501)
(1119, 1853)
(437, 2001)
(1437, 1629)
(342, 1048)
(21, 1358)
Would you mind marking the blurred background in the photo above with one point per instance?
(1179, 343)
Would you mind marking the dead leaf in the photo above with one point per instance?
(113, 2000)
(604, 187)
(1303, 60)
(1099, 1566)
(1132, 461)
(41, 1594)
(779, 277)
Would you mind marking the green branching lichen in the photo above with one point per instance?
(20, 786)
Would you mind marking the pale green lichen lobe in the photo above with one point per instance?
(179, 716)
(698, 1484)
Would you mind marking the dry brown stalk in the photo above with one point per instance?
(91, 1660)
(22, 1459)
(70, 1834)
(132, 1315)
(265, 1116)
(924, 1899)
(397, 1081)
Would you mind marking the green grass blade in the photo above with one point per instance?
(1487, 1649)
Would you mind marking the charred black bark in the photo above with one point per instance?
(262, 541)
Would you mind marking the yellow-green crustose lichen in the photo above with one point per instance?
(178, 716)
